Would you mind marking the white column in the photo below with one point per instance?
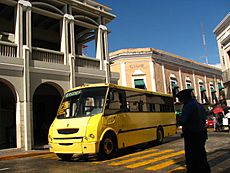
(123, 74)
(152, 75)
(18, 29)
(64, 38)
(27, 115)
(106, 56)
(72, 55)
(194, 81)
(180, 78)
(164, 79)
(26, 54)
(18, 123)
(99, 49)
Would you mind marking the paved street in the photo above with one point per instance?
(167, 157)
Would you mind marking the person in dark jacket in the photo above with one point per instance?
(192, 120)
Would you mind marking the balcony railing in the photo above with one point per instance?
(8, 49)
(47, 55)
(226, 76)
(82, 61)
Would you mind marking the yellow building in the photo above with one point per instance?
(160, 71)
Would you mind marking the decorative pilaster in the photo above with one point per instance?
(194, 82)
(123, 74)
(164, 79)
(152, 74)
(180, 78)
(206, 86)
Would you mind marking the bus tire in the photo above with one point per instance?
(108, 147)
(65, 157)
(160, 136)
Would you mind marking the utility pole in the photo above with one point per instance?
(204, 44)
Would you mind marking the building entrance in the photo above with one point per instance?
(7, 117)
(46, 100)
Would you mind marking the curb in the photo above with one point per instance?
(22, 155)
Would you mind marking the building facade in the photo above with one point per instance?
(222, 32)
(160, 71)
(42, 54)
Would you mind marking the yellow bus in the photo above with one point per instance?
(102, 118)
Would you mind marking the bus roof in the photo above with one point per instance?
(119, 87)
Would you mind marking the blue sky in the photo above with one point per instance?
(170, 25)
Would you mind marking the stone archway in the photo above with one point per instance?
(46, 100)
(7, 116)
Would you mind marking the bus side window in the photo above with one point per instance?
(113, 103)
(152, 107)
(134, 106)
(140, 106)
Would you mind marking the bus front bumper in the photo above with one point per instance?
(74, 148)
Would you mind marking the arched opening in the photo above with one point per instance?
(7, 117)
(46, 100)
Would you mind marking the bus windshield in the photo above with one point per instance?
(83, 102)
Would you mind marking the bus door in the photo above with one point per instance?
(116, 109)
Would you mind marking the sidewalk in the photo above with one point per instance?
(9, 154)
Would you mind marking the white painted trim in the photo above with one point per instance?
(200, 81)
(188, 82)
(172, 75)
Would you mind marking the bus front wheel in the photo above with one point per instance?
(160, 136)
(108, 147)
(65, 157)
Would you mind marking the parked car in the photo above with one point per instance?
(209, 122)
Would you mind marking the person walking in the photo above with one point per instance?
(228, 117)
(192, 120)
(215, 123)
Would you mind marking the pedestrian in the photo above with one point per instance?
(215, 123)
(228, 117)
(193, 120)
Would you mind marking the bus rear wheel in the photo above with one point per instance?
(108, 147)
(160, 136)
(65, 157)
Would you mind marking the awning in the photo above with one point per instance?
(220, 87)
(174, 86)
(202, 89)
(213, 91)
(217, 110)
